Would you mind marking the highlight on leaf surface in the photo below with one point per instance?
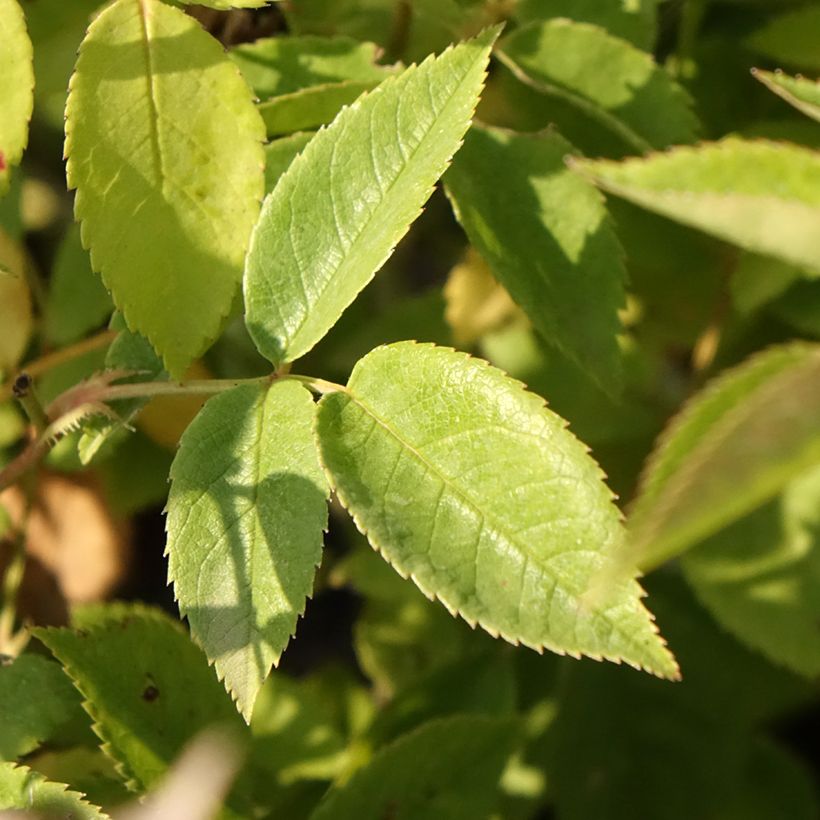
(513, 194)
(803, 94)
(469, 485)
(734, 446)
(763, 196)
(759, 576)
(615, 84)
(16, 87)
(164, 148)
(338, 211)
(246, 515)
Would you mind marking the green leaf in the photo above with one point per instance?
(16, 87)
(281, 65)
(633, 21)
(790, 38)
(37, 704)
(763, 196)
(803, 94)
(733, 447)
(760, 577)
(246, 512)
(224, 5)
(310, 107)
(26, 790)
(168, 201)
(344, 203)
(757, 280)
(129, 352)
(77, 301)
(147, 687)
(448, 769)
(608, 79)
(547, 238)
(467, 484)
(15, 303)
(280, 153)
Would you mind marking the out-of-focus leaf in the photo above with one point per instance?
(513, 194)
(77, 300)
(614, 83)
(448, 769)
(16, 318)
(791, 37)
(760, 577)
(732, 447)
(280, 153)
(26, 790)
(760, 195)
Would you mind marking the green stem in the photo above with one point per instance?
(147, 390)
(23, 390)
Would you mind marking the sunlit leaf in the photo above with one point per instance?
(803, 94)
(26, 790)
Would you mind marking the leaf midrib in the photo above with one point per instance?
(150, 81)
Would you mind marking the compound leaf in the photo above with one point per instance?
(803, 94)
(547, 238)
(467, 483)
(348, 198)
(16, 87)
(164, 148)
(759, 576)
(763, 196)
(147, 687)
(26, 790)
(246, 512)
(448, 769)
(614, 83)
(733, 447)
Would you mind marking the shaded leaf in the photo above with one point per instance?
(790, 37)
(803, 94)
(763, 196)
(246, 512)
(15, 303)
(760, 577)
(448, 769)
(16, 88)
(280, 153)
(147, 687)
(614, 83)
(732, 447)
(547, 238)
(311, 254)
(467, 484)
(167, 228)
(21, 788)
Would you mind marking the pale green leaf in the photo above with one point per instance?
(26, 790)
(448, 769)
(763, 196)
(469, 485)
(757, 280)
(760, 577)
(164, 148)
(803, 94)
(77, 301)
(37, 703)
(280, 153)
(147, 687)
(246, 512)
(16, 87)
(608, 79)
(791, 37)
(733, 447)
(339, 210)
(310, 107)
(633, 20)
(281, 65)
(548, 239)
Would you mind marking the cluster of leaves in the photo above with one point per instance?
(231, 209)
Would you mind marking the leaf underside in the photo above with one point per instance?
(164, 147)
(467, 484)
(803, 94)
